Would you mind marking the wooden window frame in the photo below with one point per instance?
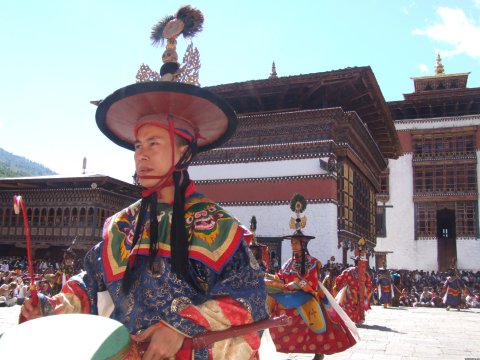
(357, 203)
(444, 177)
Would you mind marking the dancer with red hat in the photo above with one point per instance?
(354, 290)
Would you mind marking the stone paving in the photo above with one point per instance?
(413, 334)
(389, 334)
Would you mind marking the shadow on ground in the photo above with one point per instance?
(396, 308)
(379, 328)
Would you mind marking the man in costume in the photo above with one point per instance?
(174, 263)
(453, 289)
(347, 286)
(385, 288)
(259, 251)
(296, 290)
(396, 286)
(65, 271)
(329, 280)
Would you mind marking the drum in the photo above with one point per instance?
(72, 336)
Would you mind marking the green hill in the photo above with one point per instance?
(17, 166)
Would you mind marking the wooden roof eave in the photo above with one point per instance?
(386, 118)
(350, 77)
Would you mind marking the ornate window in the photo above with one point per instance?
(8, 218)
(83, 217)
(74, 218)
(425, 220)
(102, 216)
(66, 217)
(58, 217)
(466, 218)
(445, 177)
(43, 217)
(443, 144)
(90, 217)
(51, 217)
(36, 217)
(357, 205)
(384, 184)
(381, 221)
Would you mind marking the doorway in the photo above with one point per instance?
(446, 238)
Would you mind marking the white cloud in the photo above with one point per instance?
(423, 68)
(456, 30)
(477, 3)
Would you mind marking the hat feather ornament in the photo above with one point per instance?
(298, 204)
(187, 21)
(157, 30)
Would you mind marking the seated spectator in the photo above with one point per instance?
(414, 296)
(4, 267)
(21, 291)
(7, 297)
(472, 301)
(436, 300)
(425, 297)
(404, 299)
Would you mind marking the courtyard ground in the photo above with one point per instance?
(388, 334)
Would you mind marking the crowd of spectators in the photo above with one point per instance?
(426, 289)
(412, 288)
(420, 288)
(15, 277)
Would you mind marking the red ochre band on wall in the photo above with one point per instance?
(250, 191)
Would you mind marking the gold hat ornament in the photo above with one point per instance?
(298, 204)
(173, 94)
(188, 22)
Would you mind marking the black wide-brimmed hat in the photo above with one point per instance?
(198, 111)
(298, 234)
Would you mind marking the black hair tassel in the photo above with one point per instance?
(178, 238)
(128, 276)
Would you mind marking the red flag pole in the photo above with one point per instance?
(18, 204)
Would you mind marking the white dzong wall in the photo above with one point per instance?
(274, 220)
(406, 252)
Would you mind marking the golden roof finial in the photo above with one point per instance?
(273, 74)
(439, 70)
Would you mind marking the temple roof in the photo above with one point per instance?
(439, 95)
(439, 82)
(92, 181)
(352, 89)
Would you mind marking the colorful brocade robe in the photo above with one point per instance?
(316, 327)
(385, 289)
(347, 285)
(226, 287)
(453, 288)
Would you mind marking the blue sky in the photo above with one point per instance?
(58, 55)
